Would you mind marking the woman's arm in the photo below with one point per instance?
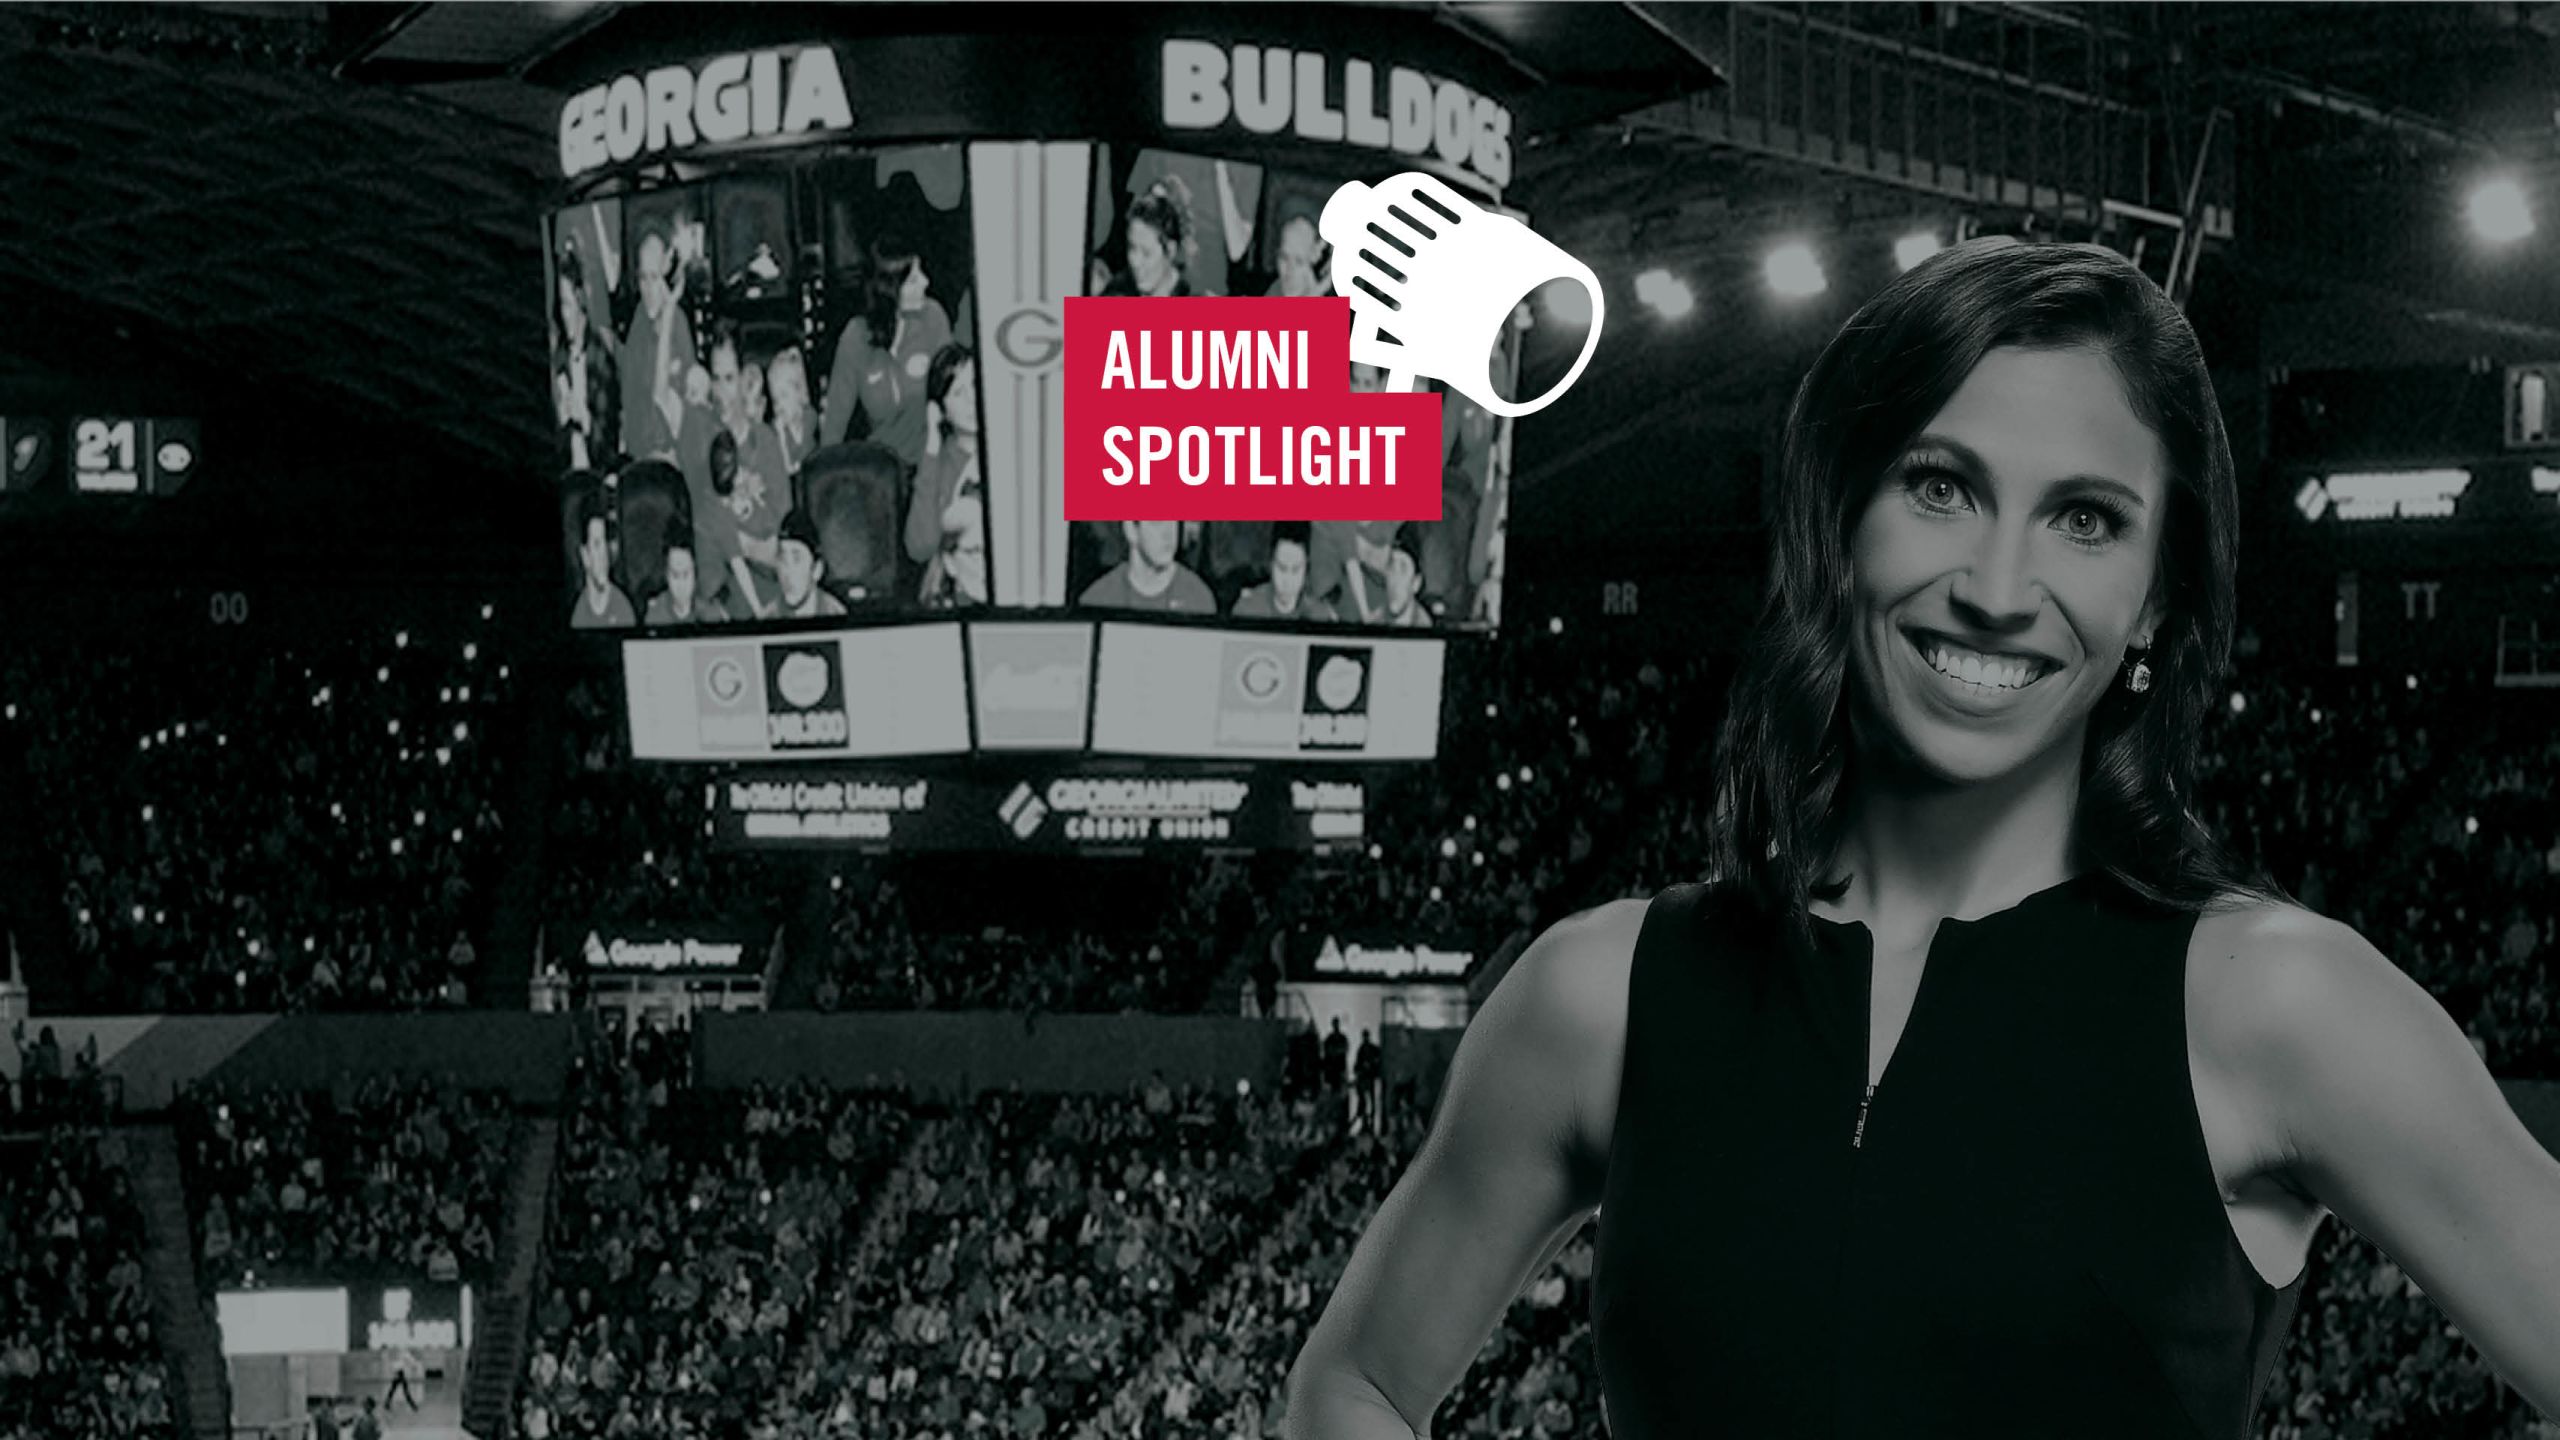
(2386, 1115)
(1513, 1165)
(924, 509)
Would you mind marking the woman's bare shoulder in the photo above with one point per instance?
(1559, 1018)
(1573, 978)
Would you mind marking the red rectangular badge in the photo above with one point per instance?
(1184, 408)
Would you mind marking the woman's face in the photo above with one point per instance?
(790, 384)
(960, 402)
(911, 293)
(680, 579)
(2003, 564)
(1149, 266)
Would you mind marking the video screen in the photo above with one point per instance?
(1169, 223)
(765, 407)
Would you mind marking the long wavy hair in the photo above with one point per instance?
(1784, 760)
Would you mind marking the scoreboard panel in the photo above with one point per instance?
(131, 455)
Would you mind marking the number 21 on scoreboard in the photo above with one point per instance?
(105, 455)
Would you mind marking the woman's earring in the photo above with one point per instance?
(2140, 680)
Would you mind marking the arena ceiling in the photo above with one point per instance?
(339, 203)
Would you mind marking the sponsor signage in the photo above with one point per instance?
(903, 691)
(890, 691)
(415, 1317)
(1225, 695)
(1085, 809)
(604, 952)
(1391, 961)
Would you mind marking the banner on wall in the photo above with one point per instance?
(1057, 812)
(704, 949)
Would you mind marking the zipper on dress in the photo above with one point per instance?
(1858, 1137)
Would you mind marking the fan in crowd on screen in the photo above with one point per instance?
(1351, 561)
(1982, 1090)
(883, 356)
(745, 587)
(803, 598)
(1160, 243)
(585, 392)
(600, 604)
(1151, 578)
(681, 603)
(946, 528)
(739, 391)
(794, 428)
(1403, 605)
(1284, 596)
(1301, 259)
(656, 353)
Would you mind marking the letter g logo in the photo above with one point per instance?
(1028, 338)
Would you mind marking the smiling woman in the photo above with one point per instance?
(1980, 1092)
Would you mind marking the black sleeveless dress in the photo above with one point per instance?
(2019, 1234)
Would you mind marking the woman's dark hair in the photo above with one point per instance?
(937, 379)
(1783, 761)
(891, 264)
(1166, 209)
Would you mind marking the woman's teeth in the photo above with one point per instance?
(1975, 668)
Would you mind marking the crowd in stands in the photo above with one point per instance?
(54, 1086)
(78, 1357)
(313, 828)
(801, 1261)
(631, 844)
(399, 1179)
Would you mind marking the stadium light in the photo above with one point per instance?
(2239, 703)
(445, 695)
(1915, 247)
(401, 639)
(1471, 824)
(1568, 304)
(2470, 824)
(146, 814)
(2500, 214)
(1668, 294)
(382, 676)
(1502, 782)
(1793, 271)
(1448, 849)
(1488, 710)
(1555, 625)
(2315, 714)
(486, 611)
(1524, 774)
(471, 651)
